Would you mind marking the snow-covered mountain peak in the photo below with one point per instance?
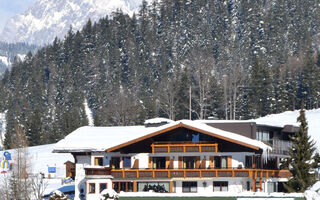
(46, 19)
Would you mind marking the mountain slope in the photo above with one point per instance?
(46, 19)
(290, 117)
(9, 51)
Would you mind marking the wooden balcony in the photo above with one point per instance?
(184, 148)
(98, 171)
(199, 173)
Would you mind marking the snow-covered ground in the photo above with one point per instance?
(42, 157)
(314, 192)
(3, 124)
(290, 117)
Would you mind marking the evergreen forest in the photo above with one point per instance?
(240, 59)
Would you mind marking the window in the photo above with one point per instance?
(221, 162)
(115, 162)
(248, 186)
(155, 186)
(126, 161)
(219, 186)
(92, 188)
(159, 162)
(258, 162)
(263, 135)
(189, 186)
(123, 186)
(98, 161)
(103, 186)
(249, 162)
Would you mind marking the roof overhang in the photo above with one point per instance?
(179, 125)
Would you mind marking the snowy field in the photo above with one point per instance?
(290, 117)
(42, 157)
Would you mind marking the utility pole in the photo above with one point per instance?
(190, 103)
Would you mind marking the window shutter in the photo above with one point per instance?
(150, 163)
(211, 162)
(229, 162)
(198, 162)
(180, 162)
(167, 162)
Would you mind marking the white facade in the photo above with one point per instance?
(204, 185)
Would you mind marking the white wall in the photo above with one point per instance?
(235, 185)
(97, 182)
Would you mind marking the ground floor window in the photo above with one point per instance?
(219, 186)
(155, 186)
(189, 186)
(92, 188)
(123, 186)
(103, 186)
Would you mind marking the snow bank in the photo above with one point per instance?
(314, 192)
(290, 118)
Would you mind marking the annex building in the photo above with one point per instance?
(184, 156)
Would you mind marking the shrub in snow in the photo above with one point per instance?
(108, 194)
(58, 195)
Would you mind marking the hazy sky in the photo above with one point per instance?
(9, 8)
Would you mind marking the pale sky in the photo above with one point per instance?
(9, 8)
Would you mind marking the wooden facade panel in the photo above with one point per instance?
(285, 174)
(224, 173)
(161, 174)
(176, 149)
(192, 149)
(176, 174)
(192, 174)
(241, 173)
(131, 174)
(208, 149)
(116, 174)
(145, 174)
(208, 174)
(160, 149)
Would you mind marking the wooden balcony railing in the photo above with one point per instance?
(199, 173)
(183, 148)
(98, 171)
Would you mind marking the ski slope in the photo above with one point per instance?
(41, 157)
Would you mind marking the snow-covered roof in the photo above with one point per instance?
(290, 118)
(158, 120)
(103, 138)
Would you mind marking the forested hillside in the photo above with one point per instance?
(8, 51)
(242, 59)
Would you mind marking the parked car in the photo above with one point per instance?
(66, 189)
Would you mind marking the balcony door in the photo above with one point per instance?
(159, 162)
(190, 162)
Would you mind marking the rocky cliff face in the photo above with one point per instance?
(46, 19)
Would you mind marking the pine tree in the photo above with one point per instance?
(301, 154)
